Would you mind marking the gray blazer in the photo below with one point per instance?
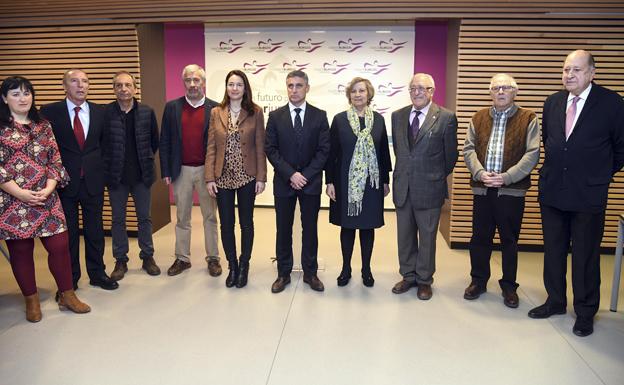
(421, 172)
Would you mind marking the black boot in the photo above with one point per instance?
(345, 276)
(232, 277)
(242, 274)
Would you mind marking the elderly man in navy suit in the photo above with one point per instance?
(424, 137)
(78, 127)
(297, 145)
(583, 135)
(183, 144)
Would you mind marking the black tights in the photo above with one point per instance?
(347, 240)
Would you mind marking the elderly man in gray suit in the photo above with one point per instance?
(424, 137)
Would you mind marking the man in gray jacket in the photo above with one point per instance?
(424, 137)
(502, 147)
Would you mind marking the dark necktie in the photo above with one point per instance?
(415, 126)
(298, 127)
(78, 130)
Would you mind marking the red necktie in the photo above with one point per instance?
(570, 115)
(78, 130)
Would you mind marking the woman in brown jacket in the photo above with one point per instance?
(236, 167)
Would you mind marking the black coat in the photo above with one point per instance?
(90, 158)
(287, 159)
(114, 150)
(337, 172)
(577, 172)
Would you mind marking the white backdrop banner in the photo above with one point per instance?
(331, 57)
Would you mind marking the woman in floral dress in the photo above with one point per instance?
(30, 172)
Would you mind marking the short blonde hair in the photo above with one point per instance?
(370, 91)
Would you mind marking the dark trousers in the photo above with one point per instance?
(584, 231)
(491, 212)
(347, 240)
(93, 231)
(246, 196)
(284, 215)
(23, 264)
(142, 197)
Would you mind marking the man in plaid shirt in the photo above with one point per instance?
(502, 147)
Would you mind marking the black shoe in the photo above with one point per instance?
(583, 326)
(104, 282)
(232, 277)
(343, 278)
(546, 310)
(314, 282)
(243, 271)
(510, 298)
(177, 267)
(150, 266)
(121, 268)
(474, 291)
(280, 284)
(367, 279)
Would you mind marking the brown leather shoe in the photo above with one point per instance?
(33, 308)
(280, 284)
(121, 268)
(510, 298)
(424, 292)
(402, 286)
(214, 268)
(68, 300)
(474, 291)
(150, 266)
(314, 282)
(178, 267)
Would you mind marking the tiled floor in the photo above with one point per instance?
(191, 329)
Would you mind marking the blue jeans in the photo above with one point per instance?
(118, 197)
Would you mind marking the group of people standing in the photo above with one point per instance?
(220, 151)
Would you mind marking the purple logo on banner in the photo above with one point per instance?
(348, 45)
(340, 89)
(228, 46)
(334, 67)
(268, 46)
(375, 68)
(389, 90)
(389, 46)
(381, 110)
(254, 68)
(293, 65)
(307, 45)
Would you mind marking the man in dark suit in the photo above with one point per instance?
(583, 136)
(183, 143)
(297, 145)
(424, 137)
(78, 128)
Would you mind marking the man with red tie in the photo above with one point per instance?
(583, 135)
(78, 128)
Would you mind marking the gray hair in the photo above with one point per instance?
(194, 68)
(512, 81)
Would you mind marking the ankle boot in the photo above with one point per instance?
(33, 308)
(344, 277)
(68, 300)
(242, 274)
(367, 278)
(232, 277)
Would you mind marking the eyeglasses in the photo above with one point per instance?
(504, 88)
(414, 90)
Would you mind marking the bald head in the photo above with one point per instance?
(579, 69)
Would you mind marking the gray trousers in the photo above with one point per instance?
(118, 197)
(193, 178)
(417, 230)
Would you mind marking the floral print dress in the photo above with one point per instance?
(29, 156)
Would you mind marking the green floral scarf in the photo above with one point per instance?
(363, 163)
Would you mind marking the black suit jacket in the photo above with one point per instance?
(286, 158)
(171, 136)
(577, 172)
(90, 158)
